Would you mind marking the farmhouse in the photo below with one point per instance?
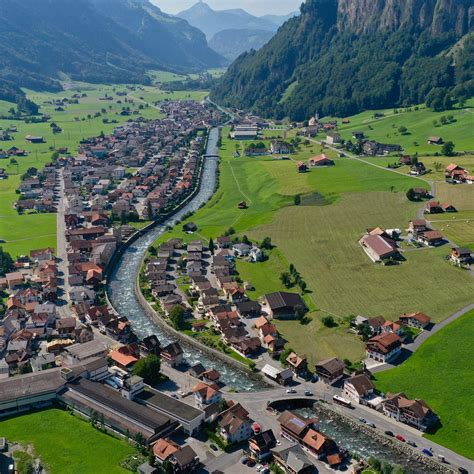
(297, 363)
(330, 370)
(279, 147)
(417, 226)
(430, 238)
(333, 138)
(412, 412)
(293, 459)
(358, 387)
(434, 140)
(460, 255)
(235, 424)
(378, 247)
(448, 207)
(416, 320)
(433, 207)
(320, 160)
(301, 167)
(283, 305)
(384, 347)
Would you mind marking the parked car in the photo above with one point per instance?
(427, 452)
(244, 460)
(412, 443)
(463, 470)
(389, 433)
(362, 420)
(290, 390)
(400, 438)
(213, 447)
(251, 463)
(372, 425)
(308, 393)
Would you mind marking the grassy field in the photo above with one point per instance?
(440, 373)
(29, 231)
(420, 126)
(320, 238)
(67, 444)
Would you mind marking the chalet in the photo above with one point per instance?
(172, 354)
(279, 147)
(392, 327)
(378, 247)
(301, 167)
(434, 140)
(224, 242)
(298, 364)
(416, 320)
(248, 309)
(384, 347)
(417, 226)
(412, 412)
(405, 160)
(293, 460)
(190, 227)
(433, 207)
(375, 324)
(124, 358)
(421, 193)
(358, 387)
(430, 238)
(330, 370)
(417, 169)
(460, 255)
(163, 449)
(454, 171)
(283, 305)
(333, 138)
(261, 444)
(374, 148)
(235, 424)
(185, 460)
(32, 139)
(320, 160)
(14, 280)
(246, 346)
(448, 207)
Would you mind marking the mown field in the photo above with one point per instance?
(320, 238)
(29, 231)
(67, 444)
(419, 124)
(440, 373)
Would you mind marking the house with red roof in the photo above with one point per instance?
(384, 347)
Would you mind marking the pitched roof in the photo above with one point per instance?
(361, 383)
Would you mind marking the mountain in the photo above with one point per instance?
(278, 20)
(210, 21)
(93, 40)
(343, 56)
(232, 43)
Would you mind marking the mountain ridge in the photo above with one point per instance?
(344, 56)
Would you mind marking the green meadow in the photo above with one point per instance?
(440, 373)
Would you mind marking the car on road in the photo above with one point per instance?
(362, 420)
(174, 395)
(400, 438)
(389, 433)
(181, 393)
(244, 460)
(213, 447)
(463, 470)
(290, 390)
(372, 425)
(278, 442)
(427, 452)
(412, 443)
(308, 393)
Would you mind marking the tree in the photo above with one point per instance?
(152, 250)
(284, 355)
(297, 199)
(6, 262)
(245, 240)
(411, 195)
(211, 246)
(448, 149)
(292, 269)
(299, 312)
(403, 130)
(149, 369)
(267, 243)
(285, 278)
(302, 285)
(438, 166)
(329, 321)
(177, 317)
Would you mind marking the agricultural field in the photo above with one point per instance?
(78, 121)
(320, 238)
(67, 444)
(436, 373)
(420, 124)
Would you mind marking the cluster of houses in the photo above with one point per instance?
(216, 294)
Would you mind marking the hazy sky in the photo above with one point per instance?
(257, 7)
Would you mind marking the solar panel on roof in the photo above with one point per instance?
(298, 422)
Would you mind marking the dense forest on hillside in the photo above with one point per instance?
(319, 63)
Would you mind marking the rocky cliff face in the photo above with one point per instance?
(439, 16)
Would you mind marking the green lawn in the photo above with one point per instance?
(420, 126)
(67, 444)
(440, 372)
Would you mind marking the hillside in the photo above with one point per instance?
(92, 40)
(340, 57)
(232, 43)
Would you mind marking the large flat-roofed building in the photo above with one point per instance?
(189, 417)
(77, 353)
(119, 413)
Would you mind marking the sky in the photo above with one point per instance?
(256, 7)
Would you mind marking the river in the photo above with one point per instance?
(122, 281)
